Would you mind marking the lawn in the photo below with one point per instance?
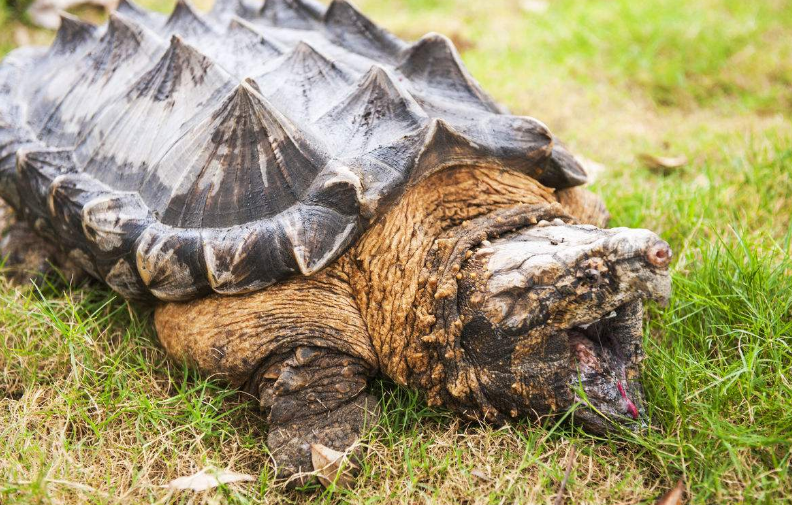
(91, 411)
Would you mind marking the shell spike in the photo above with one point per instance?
(124, 36)
(253, 148)
(242, 50)
(238, 25)
(73, 34)
(128, 7)
(305, 59)
(304, 54)
(181, 65)
(300, 14)
(182, 8)
(187, 21)
(434, 61)
(250, 84)
(377, 86)
(375, 113)
(443, 146)
(122, 39)
(294, 81)
(357, 33)
(224, 9)
(132, 11)
(379, 77)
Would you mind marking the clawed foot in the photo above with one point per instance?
(318, 413)
(324, 446)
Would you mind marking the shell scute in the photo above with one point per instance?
(168, 265)
(297, 14)
(182, 155)
(70, 96)
(351, 29)
(435, 65)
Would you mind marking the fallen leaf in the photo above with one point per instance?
(332, 466)
(208, 478)
(674, 496)
(661, 164)
(534, 6)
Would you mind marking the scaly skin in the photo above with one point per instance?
(475, 288)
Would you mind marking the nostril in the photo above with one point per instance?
(592, 275)
(659, 254)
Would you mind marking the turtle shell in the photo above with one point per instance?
(192, 154)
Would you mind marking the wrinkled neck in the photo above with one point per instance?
(403, 270)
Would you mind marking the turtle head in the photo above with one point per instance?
(553, 319)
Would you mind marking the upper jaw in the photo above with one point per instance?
(524, 266)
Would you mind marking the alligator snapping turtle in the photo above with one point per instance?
(370, 206)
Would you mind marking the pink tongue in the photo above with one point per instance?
(630, 405)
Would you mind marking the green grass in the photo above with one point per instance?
(92, 412)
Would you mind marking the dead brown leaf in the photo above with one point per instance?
(674, 496)
(662, 164)
(332, 466)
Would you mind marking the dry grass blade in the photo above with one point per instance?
(559, 499)
(674, 496)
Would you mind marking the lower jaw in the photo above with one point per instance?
(618, 342)
(551, 391)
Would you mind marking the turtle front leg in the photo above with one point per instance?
(301, 348)
(317, 401)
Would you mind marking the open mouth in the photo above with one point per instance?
(604, 358)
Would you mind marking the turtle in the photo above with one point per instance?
(309, 202)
